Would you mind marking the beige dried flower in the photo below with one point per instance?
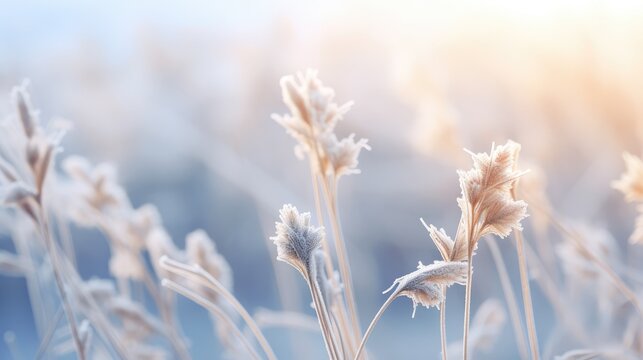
(97, 185)
(487, 204)
(631, 185)
(422, 286)
(296, 239)
(40, 145)
(343, 154)
(631, 181)
(126, 264)
(200, 250)
(139, 225)
(312, 120)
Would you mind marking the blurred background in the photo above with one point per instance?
(179, 97)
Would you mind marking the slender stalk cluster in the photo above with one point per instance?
(313, 117)
(109, 317)
(488, 208)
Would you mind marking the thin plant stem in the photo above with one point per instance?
(208, 280)
(550, 289)
(65, 237)
(96, 317)
(285, 287)
(371, 326)
(510, 297)
(214, 309)
(526, 296)
(467, 299)
(53, 254)
(342, 257)
(49, 334)
(38, 307)
(165, 309)
(324, 318)
(320, 218)
(611, 274)
(467, 307)
(340, 308)
(443, 323)
(342, 317)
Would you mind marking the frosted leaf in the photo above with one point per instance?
(422, 286)
(296, 239)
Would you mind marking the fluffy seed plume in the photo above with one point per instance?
(487, 202)
(631, 185)
(296, 239)
(200, 250)
(312, 120)
(631, 181)
(422, 286)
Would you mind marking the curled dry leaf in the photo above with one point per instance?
(422, 286)
(441, 240)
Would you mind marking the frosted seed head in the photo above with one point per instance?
(631, 181)
(343, 154)
(28, 117)
(201, 250)
(312, 120)
(296, 239)
(125, 264)
(487, 194)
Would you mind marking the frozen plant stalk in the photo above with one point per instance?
(423, 286)
(488, 208)
(312, 120)
(297, 241)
